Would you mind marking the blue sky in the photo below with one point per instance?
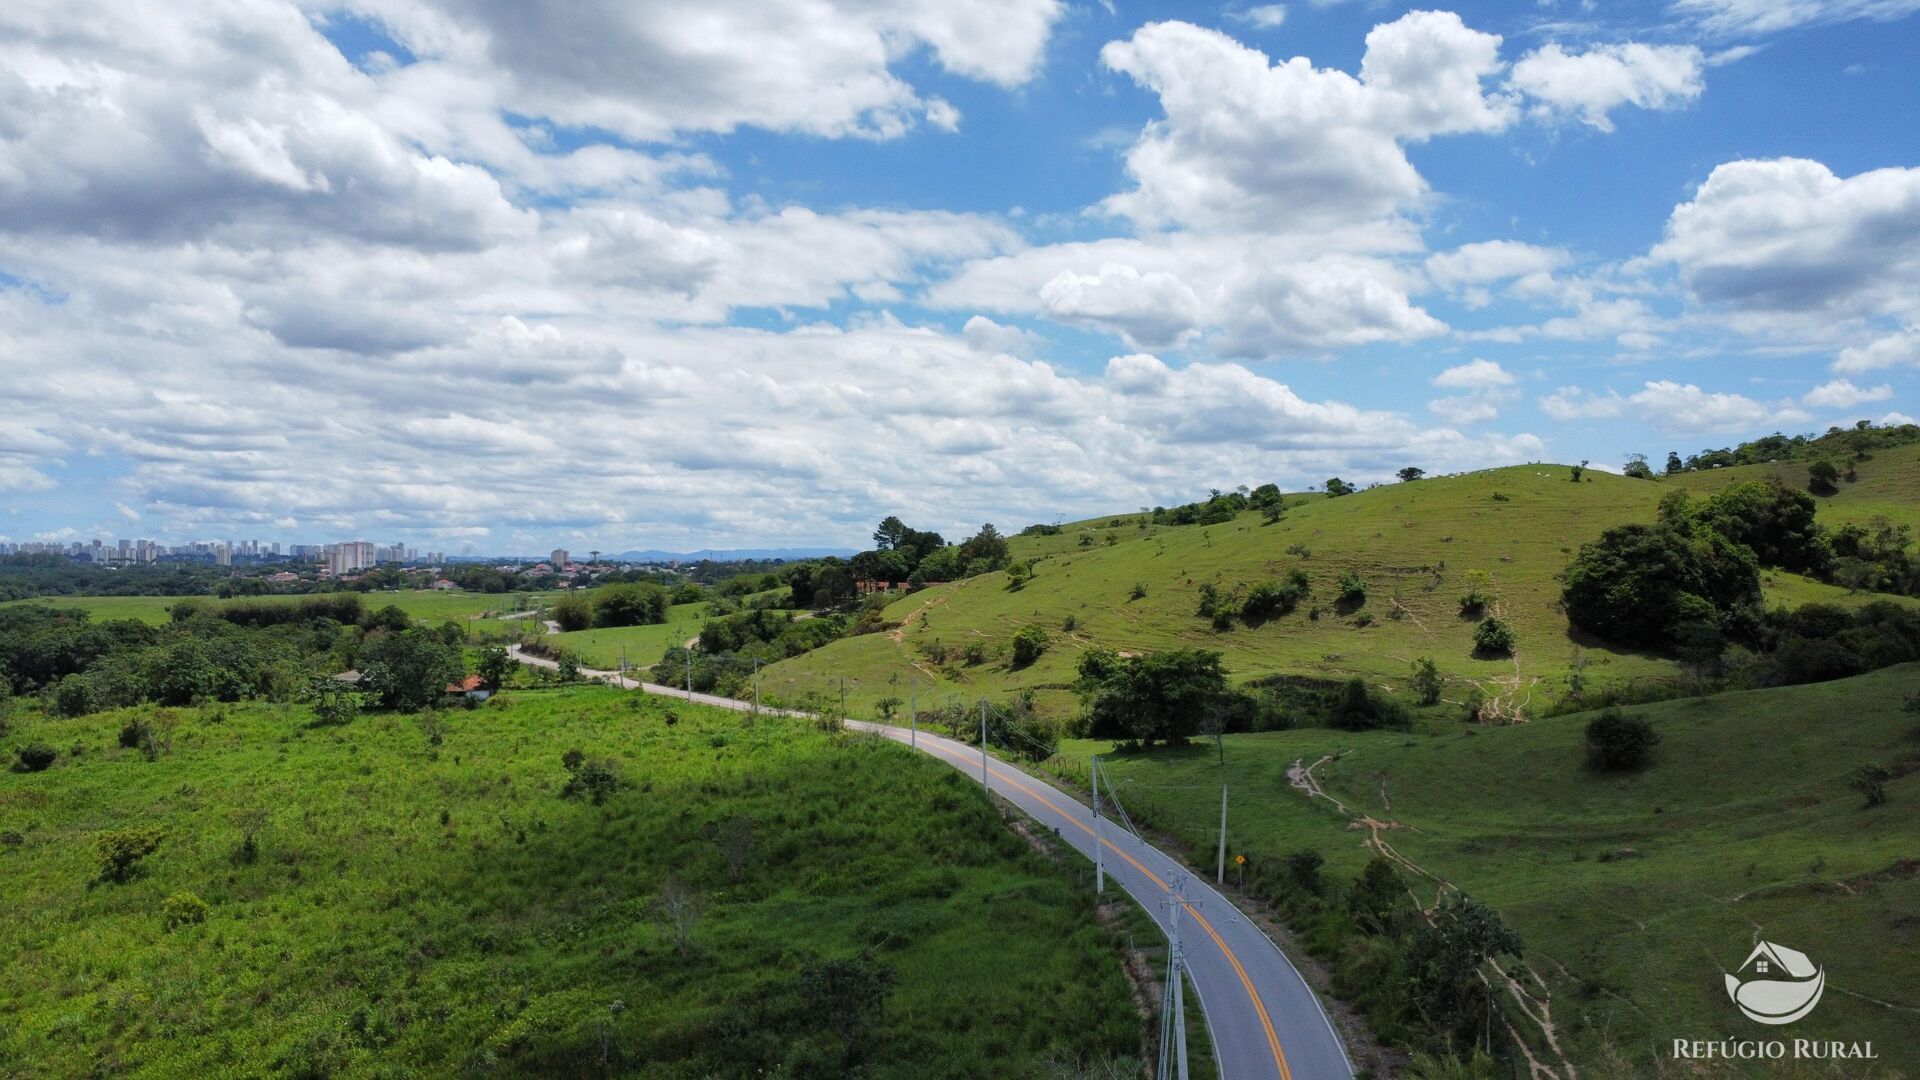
(638, 275)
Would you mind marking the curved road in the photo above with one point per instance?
(1264, 1020)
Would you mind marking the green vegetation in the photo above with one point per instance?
(1632, 891)
(275, 899)
(425, 605)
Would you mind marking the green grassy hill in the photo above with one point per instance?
(1418, 546)
(1886, 485)
(423, 902)
(1632, 892)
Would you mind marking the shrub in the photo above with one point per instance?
(136, 731)
(1473, 602)
(36, 757)
(1028, 644)
(120, 851)
(572, 612)
(182, 909)
(1493, 637)
(1427, 681)
(1304, 868)
(1272, 599)
(1353, 588)
(1617, 742)
(974, 654)
(594, 780)
(630, 605)
(1139, 591)
(73, 697)
(1871, 782)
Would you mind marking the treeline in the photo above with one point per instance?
(26, 576)
(1856, 443)
(224, 654)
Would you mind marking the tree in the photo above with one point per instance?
(1304, 868)
(984, 551)
(1618, 742)
(1822, 477)
(890, 533)
(1637, 584)
(1493, 637)
(36, 757)
(1376, 896)
(1157, 697)
(1580, 471)
(495, 664)
(1337, 487)
(682, 906)
(1637, 467)
(1673, 463)
(1265, 496)
(1774, 520)
(1443, 962)
(1427, 681)
(1353, 589)
(335, 703)
(1028, 644)
(630, 605)
(1411, 472)
(572, 612)
(410, 670)
(736, 844)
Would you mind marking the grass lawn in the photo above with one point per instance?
(423, 909)
(1633, 892)
(644, 645)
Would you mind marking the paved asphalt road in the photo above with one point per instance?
(1264, 1019)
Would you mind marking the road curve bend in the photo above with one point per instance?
(1265, 1021)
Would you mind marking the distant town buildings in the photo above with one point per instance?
(342, 558)
(558, 558)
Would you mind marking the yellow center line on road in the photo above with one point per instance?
(1259, 1006)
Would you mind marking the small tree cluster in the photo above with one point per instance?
(1028, 645)
(1618, 742)
(1493, 637)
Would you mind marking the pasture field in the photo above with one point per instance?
(644, 645)
(426, 605)
(421, 900)
(1633, 892)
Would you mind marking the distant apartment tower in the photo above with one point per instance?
(350, 556)
(558, 558)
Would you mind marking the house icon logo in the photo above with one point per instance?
(1776, 985)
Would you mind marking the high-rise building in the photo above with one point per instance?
(351, 555)
(558, 558)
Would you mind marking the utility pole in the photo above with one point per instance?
(843, 699)
(913, 715)
(689, 653)
(1173, 1012)
(756, 687)
(1099, 836)
(1220, 871)
(983, 743)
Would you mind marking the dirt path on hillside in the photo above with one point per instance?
(1504, 698)
(1532, 997)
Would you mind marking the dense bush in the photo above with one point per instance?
(36, 757)
(1152, 698)
(1028, 645)
(183, 909)
(573, 612)
(410, 670)
(1272, 599)
(119, 851)
(1619, 742)
(630, 605)
(1493, 637)
(1353, 589)
(1640, 584)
